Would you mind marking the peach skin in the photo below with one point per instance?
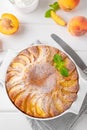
(68, 5)
(77, 26)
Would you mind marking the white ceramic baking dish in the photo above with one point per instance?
(75, 107)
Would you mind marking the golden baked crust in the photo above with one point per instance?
(36, 87)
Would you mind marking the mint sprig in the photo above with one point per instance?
(54, 7)
(59, 64)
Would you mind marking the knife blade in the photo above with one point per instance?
(71, 52)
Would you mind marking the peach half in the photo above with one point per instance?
(9, 24)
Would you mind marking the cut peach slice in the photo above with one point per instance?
(59, 20)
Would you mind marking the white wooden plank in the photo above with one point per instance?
(28, 33)
(35, 26)
(13, 121)
(5, 103)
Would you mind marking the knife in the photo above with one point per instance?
(72, 53)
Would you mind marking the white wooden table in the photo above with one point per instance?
(35, 26)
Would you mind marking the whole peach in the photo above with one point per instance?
(68, 5)
(77, 25)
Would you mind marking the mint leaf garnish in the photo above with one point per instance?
(48, 13)
(55, 6)
(59, 65)
(64, 71)
(57, 58)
